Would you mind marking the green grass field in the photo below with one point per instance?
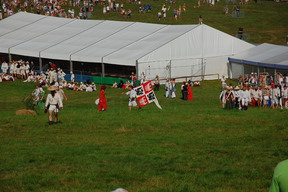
(188, 147)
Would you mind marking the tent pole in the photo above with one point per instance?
(137, 69)
(10, 58)
(243, 70)
(258, 71)
(229, 70)
(40, 65)
(170, 72)
(202, 70)
(202, 52)
(103, 69)
(71, 66)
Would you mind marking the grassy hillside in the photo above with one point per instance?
(264, 21)
(189, 146)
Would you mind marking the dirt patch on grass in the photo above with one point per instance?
(169, 145)
(25, 112)
(123, 129)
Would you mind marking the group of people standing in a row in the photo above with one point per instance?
(256, 91)
(20, 69)
(186, 90)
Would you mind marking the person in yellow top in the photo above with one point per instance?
(179, 11)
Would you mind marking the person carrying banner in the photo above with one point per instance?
(145, 95)
(132, 98)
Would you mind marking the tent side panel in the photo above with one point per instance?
(215, 65)
(173, 69)
(187, 67)
(183, 47)
(218, 43)
(151, 69)
(236, 70)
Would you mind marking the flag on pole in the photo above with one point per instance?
(145, 94)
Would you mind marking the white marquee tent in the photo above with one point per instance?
(263, 58)
(166, 50)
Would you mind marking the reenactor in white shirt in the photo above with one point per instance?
(259, 92)
(27, 69)
(4, 67)
(285, 96)
(12, 66)
(223, 81)
(72, 77)
(236, 93)
(254, 96)
(132, 98)
(62, 75)
(266, 96)
(245, 98)
(53, 104)
(22, 71)
(274, 97)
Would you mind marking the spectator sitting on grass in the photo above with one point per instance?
(7, 77)
(114, 85)
(122, 12)
(129, 14)
(82, 87)
(140, 10)
(144, 8)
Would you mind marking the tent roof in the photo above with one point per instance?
(148, 44)
(37, 26)
(114, 42)
(17, 21)
(265, 55)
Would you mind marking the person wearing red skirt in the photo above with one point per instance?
(190, 93)
(102, 106)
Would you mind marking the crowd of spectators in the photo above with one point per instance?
(24, 70)
(80, 9)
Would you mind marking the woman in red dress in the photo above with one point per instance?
(190, 93)
(102, 106)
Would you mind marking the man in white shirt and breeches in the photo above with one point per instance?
(132, 98)
(53, 104)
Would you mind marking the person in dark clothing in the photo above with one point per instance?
(184, 90)
(120, 85)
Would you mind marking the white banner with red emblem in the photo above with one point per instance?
(145, 94)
